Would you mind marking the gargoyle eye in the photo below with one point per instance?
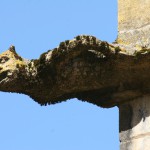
(3, 59)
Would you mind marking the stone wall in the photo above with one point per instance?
(134, 23)
(134, 124)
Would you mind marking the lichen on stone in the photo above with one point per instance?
(84, 68)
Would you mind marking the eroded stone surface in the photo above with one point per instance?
(84, 68)
(134, 23)
(135, 124)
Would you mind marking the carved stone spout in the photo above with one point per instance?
(95, 71)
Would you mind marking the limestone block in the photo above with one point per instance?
(134, 23)
(135, 124)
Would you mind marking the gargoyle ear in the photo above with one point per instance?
(12, 49)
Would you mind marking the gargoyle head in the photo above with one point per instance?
(10, 65)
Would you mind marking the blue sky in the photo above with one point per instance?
(35, 27)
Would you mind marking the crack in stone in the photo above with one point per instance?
(136, 137)
(144, 27)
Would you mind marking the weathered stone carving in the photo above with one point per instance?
(94, 71)
(85, 68)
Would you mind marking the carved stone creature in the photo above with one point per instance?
(84, 68)
(12, 67)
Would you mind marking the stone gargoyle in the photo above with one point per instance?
(85, 68)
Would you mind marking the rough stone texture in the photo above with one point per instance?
(134, 24)
(135, 124)
(134, 35)
(94, 71)
(84, 68)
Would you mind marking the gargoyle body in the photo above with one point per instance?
(84, 68)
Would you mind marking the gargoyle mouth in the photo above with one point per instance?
(3, 75)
